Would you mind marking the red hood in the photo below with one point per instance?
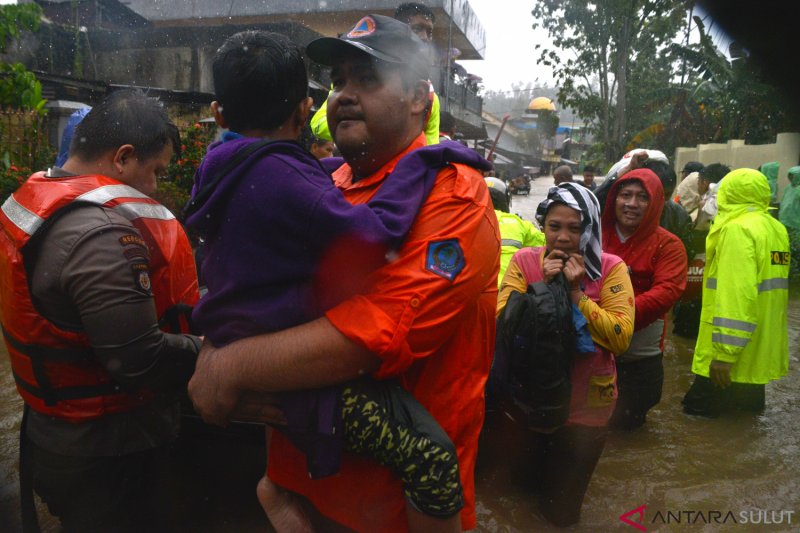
(652, 216)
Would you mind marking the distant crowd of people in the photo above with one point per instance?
(363, 312)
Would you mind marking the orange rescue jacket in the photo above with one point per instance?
(53, 368)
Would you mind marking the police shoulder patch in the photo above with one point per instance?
(445, 258)
(141, 276)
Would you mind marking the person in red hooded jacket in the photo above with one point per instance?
(657, 264)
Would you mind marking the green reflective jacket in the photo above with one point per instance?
(745, 284)
(319, 122)
(790, 204)
(515, 233)
(770, 170)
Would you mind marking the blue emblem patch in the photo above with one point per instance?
(445, 258)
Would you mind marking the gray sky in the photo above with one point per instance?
(510, 39)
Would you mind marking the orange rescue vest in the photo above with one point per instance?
(54, 369)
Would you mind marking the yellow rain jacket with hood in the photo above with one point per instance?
(745, 284)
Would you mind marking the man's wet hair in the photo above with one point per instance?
(125, 117)
(666, 174)
(259, 78)
(405, 11)
(563, 170)
(590, 168)
(714, 172)
(692, 166)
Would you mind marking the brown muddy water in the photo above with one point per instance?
(738, 474)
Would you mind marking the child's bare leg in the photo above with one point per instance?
(284, 511)
(419, 522)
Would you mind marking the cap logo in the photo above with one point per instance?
(364, 27)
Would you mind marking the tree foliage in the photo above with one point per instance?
(728, 97)
(19, 88)
(15, 19)
(598, 48)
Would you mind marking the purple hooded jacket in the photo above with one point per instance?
(267, 224)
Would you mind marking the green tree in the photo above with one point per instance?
(19, 89)
(728, 97)
(17, 18)
(24, 145)
(598, 49)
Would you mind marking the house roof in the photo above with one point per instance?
(115, 12)
(328, 17)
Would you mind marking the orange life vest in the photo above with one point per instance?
(54, 369)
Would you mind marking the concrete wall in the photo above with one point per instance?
(171, 58)
(737, 154)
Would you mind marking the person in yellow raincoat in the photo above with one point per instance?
(743, 341)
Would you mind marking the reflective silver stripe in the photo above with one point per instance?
(132, 210)
(773, 283)
(730, 340)
(24, 219)
(711, 283)
(741, 325)
(106, 193)
(511, 242)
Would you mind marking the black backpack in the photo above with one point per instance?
(535, 350)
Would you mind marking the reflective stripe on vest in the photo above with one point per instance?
(730, 340)
(766, 285)
(773, 283)
(24, 219)
(730, 323)
(511, 242)
(30, 222)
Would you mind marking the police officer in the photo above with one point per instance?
(743, 341)
(515, 232)
(91, 269)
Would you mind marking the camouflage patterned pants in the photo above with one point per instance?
(384, 421)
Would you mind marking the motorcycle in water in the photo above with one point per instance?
(520, 185)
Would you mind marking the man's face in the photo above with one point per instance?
(423, 27)
(322, 149)
(631, 206)
(371, 115)
(702, 185)
(143, 175)
(588, 178)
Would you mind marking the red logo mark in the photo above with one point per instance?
(638, 524)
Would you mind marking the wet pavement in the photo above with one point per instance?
(738, 474)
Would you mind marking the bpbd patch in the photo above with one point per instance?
(779, 258)
(445, 258)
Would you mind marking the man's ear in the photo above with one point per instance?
(216, 111)
(303, 109)
(124, 155)
(420, 97)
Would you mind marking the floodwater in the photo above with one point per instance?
(738, 474)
